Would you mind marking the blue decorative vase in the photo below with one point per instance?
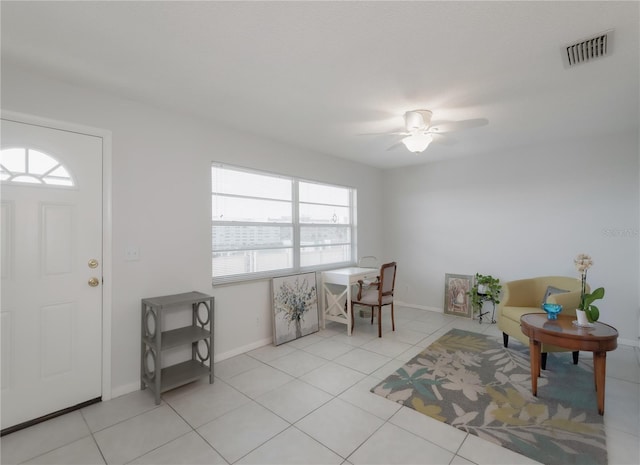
(552, 310)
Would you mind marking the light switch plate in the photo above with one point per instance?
(132, 253)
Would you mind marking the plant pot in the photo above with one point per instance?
(582, 318)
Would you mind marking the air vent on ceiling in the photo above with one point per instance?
(589, 49)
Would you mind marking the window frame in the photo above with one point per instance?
(295, 224)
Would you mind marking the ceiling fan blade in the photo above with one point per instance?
(394, 146)
(450, 126)
(444, 140)
(392, 133)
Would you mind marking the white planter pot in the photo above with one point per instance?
(582, 317)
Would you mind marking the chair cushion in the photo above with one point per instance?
(510, 324)
(370, 297)
(514, 313)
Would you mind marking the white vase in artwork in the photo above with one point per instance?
(582, 317)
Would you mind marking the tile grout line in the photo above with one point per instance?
(441, 326)
(93, 438)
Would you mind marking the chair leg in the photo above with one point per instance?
(353, 322)
(393, 323)
(346, 307)
(575, 354)
(505, 339)
(380, 321)
(543, 360)
(373, 309)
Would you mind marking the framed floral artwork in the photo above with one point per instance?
(456, 298)
(295, 307)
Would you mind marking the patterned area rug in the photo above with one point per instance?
(470, 381)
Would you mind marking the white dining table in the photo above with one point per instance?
(336, 285)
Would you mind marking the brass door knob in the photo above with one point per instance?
(93, 263)
(93, 282)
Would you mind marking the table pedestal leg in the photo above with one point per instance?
(534, 355)
(599, 372)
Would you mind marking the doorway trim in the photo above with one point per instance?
(107, 275)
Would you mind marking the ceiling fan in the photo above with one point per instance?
(420, 131)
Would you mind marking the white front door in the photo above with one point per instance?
(51, 315)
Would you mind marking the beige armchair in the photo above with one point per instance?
(526, 296)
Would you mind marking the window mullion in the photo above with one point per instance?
(353, 224)
(295, 215)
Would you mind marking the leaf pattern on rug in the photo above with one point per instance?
(468, 380)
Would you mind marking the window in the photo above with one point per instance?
(28, 166)
(266, 225)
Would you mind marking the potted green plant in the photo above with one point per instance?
(583, 262)
(486, 288)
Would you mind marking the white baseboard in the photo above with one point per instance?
(125, 389)
(622, 341)
(419, 307)
(242, 350)
(628, 342)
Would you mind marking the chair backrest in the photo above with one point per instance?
(387, 278)
(368, 261)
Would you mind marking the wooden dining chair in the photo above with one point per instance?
(377, 295)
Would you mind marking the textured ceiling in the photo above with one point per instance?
(319, 75)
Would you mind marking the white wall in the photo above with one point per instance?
(161, 203)
(523, 213)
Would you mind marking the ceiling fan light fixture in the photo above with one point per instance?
(417, 142)
(415, 120)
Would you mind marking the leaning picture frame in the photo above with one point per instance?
(456, 294)
(295, 307)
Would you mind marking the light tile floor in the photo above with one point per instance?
(305, 402)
